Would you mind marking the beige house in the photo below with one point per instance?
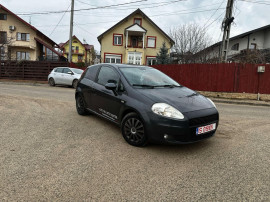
(134, 40)
(21, 41)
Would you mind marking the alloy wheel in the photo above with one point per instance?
(134, 130)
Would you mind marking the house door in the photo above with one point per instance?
(134, 41)
(134, 58)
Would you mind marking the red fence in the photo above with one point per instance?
(231, 77)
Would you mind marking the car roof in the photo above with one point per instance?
(61, 67)
(124, 65)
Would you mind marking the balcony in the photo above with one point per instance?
(75, 52)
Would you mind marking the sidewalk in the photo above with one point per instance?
(218, 97)
(238, 98)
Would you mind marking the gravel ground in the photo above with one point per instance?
(49, 153)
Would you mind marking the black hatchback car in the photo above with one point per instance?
(148, 105)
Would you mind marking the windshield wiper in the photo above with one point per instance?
(142, 85)
(168, 85)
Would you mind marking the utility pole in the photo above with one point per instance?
(71, 32)
(226, 25)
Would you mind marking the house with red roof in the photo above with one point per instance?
(81, 52)
(20, 40)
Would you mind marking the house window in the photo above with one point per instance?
(111, 58)
(2, 53)
(75, 41)
(138, 21)
(151, 60)
(235, 47)
(253, 46)
(80, 57)
(3, 37)
(23, 36)
(151, 42)
(117, 39)
(23, 56)
(3, 16)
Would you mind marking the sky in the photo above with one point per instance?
(167, 14)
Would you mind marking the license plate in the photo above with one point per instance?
(205, 129)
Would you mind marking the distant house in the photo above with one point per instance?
(20, 40)
(253, 42)
(134, 40)
(81, 52)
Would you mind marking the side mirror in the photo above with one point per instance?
(71, 73)
(111, 86)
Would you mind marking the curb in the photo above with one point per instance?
(240, 102)
(23, 83)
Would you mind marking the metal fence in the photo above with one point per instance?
(229, 77)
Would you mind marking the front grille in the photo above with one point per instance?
(203, 120)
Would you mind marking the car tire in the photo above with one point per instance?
(80, 105)
(133, 130)
(51, 82)
(75, 83)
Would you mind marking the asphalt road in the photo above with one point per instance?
(49, 152)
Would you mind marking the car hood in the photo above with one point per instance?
(182, 98)
(77, 75)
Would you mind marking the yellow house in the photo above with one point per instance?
(134, 40)
(21, 41)
(81, 52)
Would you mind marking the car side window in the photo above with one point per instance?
(92, 72)
(107, 75)
(66, 70)
(59, 70)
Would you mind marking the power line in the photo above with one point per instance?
(175, 13)
(83, 9)
(110, 14)
(149, 16)
(215, 20)
(59, 21)
(257, 2)
(213, 13)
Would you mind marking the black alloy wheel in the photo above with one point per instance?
(51, 82)
(80, 105)
(133, 130)
(75, 83)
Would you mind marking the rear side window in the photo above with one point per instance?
(107, 75)
(92, 72)
(59, 70)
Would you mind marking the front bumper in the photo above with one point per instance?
(181, 131)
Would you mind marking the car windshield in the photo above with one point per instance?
(77, 71)
(147, 77)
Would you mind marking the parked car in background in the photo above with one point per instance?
(148, 105)
(64, 76)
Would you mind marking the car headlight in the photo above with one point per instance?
(212, 102)
(166, 110)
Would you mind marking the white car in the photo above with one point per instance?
(65, 76)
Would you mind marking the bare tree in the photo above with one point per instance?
(189, 40)
(5, 42)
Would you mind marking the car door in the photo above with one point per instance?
(67, 76)
(87, 85)
(106, 102)
(57, 75)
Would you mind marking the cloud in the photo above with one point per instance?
(90, 24)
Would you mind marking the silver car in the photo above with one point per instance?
(64, 76)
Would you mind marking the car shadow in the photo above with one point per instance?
(186, 148)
